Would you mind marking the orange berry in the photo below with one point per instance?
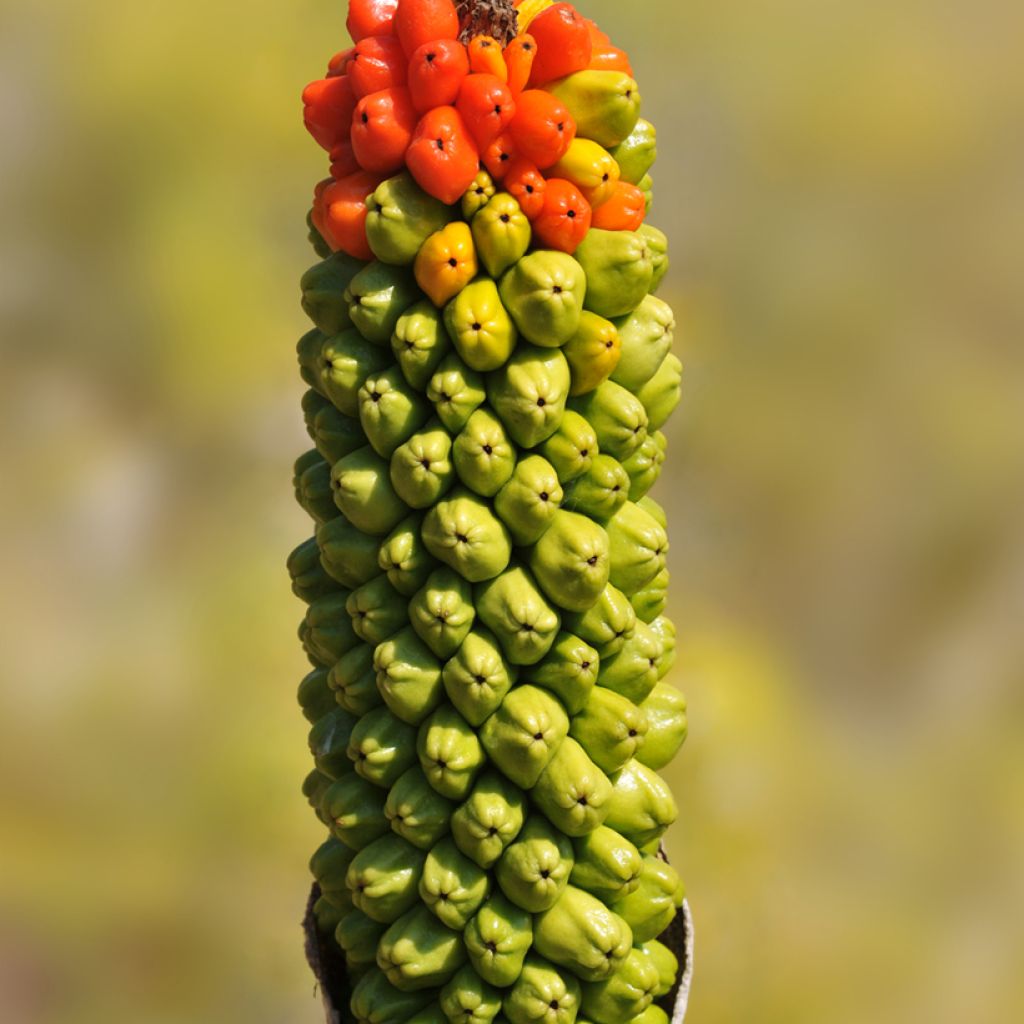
(446, 263)
(624, 211)
(519, 56)
(342, 220)
(527, 185)
(610, 58)
(498, 156)
(542, 128)
(485, 57)
(597, 36)
(565, 218)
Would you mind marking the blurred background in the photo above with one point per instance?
(843, 185)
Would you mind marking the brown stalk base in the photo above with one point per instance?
(328, 966)
(497, 18)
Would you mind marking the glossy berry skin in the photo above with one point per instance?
(370, 18)
(527, 185)
(446, 263)
(519, 58)
(487, 107)
(624, 211)
(499, 155)
(378, 62)
(486, 58)
(422, 21)
(542, 128)
(563, 44)
(610, 58)
(605, 56)
(343, 218)
(436, 73)
(328, 106)
(591, 168)
(565, 217)
(442, 156)
(382, 128)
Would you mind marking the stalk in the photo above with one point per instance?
(488, 375)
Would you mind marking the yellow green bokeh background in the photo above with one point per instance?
(843, 185)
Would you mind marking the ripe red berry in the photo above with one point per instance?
(542, 128)
(370, 18)
(563, 43)
(436, 72)
(377, 63)
(487, 107)
(526, 185)
(498, 156)
(328, 106)
(339, 213)
(422, 21)
(565, 218)
(442, 157)
(382, 128)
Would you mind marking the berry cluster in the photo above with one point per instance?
(488, 376)
(410, 94)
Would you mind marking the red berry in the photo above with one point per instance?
(329, 103)
(542, 128)
(442, 156)
(565, 218)
(563, 43)
(526, 185)
(377, 63)
(422, 21)
(487, 107)
(382, 128)
(370, 18)
(498, 156)
(436, 72)
(341, 217)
